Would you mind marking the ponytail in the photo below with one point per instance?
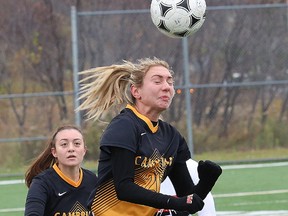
(110, 85)
(107, 86)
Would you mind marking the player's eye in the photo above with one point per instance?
(157, 81)
(63, 144)
(77, 143)
(170, 82)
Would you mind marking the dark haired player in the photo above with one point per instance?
(64, 188)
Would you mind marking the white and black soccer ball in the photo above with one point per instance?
(178, 18)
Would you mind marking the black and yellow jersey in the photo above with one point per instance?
(54, 194)
(156, 148)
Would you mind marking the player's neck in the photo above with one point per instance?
(150, 113)
(71, 172)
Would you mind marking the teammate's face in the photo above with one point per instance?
(157, 90)
(69, 148)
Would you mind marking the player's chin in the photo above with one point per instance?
(164, 107)
(73, 161)
(165, 104)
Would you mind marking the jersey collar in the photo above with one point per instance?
(144, 118)
(66, 178)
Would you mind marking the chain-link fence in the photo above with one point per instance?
(231, 76)
(236, 67)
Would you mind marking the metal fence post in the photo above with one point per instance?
(187, 95)
(74, 33)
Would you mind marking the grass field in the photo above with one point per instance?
(240, 190)
(252, 187)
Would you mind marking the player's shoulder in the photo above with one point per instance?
(89, 173)
(169, 128)
(46, 178)
(122, 124)
(90, 179)
(125, 117)
(46, 173)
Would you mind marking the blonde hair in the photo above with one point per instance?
(110, 85)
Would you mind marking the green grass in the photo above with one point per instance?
(12, 196)
(248, 155)
(222, 156)
(249, 180)
(231, 182)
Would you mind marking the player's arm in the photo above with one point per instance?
(181, 180)
(208, 174)
(36, 199)
(179, 174)
(127, 190)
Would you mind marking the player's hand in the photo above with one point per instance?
(191, 203)
(209, 173)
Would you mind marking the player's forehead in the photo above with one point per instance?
(68, 134)
(159, 71)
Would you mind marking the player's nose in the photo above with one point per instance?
(71, 147)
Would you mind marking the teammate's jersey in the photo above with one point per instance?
(53, 193)
(156, 148)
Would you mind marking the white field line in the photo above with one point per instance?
(254, 213)
(12, 210)
(9, 182)
(245, 166)
(270, 202)
(249, 193)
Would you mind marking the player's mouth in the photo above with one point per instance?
(71, 157)
(165, 98)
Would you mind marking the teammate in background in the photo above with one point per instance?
(167, 188)
(57, 183)
(137, 149)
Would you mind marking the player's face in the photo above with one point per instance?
(69, 148)
(157, 90)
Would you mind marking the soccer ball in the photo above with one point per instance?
(178, 18)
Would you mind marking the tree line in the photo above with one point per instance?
(235, 45)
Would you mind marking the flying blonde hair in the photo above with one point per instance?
(106, 86)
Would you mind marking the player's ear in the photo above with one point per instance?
(85, 150)
(53, 151)
(135, 92)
